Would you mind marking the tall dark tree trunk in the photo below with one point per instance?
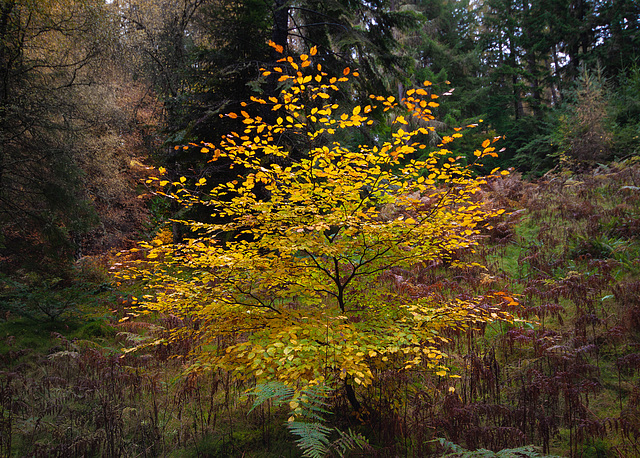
(532, 62)
(578, 41)
(558, 77)
(351, 396)
(513, 62)
(280, 34)
(5, 12)
(5, 75)
(555, 99)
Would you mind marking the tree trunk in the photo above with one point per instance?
(351, 396)
(280, 34)
(5, 75)
(513, 63)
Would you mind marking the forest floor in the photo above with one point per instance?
(563, 378)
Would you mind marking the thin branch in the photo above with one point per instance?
(257, 299)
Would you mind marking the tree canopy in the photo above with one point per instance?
(290, 286)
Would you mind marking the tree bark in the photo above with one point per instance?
(351, 396)
(280, 34)
(5, 76)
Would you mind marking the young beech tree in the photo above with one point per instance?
(287, 286)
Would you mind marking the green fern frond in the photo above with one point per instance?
(313, 438)
(277, 392)
(528, 451)
(348, 441)
(312, 402)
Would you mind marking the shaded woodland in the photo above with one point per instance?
(126, 187)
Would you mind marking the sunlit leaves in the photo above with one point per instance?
(285, 284)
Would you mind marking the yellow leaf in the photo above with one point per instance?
(272, 281)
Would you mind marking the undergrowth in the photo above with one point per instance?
(561, 381)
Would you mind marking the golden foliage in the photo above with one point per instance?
(287, 287)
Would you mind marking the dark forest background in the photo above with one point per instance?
(92, 92)
(98, 98)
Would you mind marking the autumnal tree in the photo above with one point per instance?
(50, 54)
(287, 284)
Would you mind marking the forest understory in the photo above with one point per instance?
(281, 228)
(564, 377)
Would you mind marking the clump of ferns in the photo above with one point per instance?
(307, 421)
(628, 424)
(627, 296)
(552, 381)
(453, 450)
(103, 404)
